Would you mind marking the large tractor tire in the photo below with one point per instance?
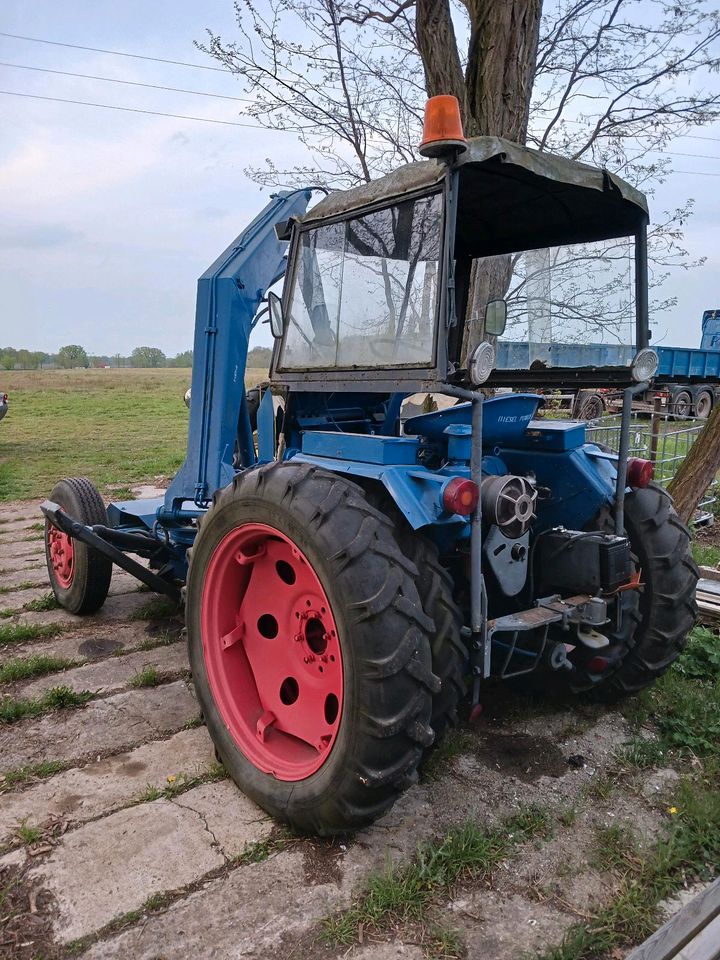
(309, 647)
(79, 576)
(656, 618)
(450, 656)
(667, 608)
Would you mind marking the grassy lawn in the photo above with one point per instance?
(115, 426)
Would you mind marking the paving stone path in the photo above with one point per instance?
(133, 845)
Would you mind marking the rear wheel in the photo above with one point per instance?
(703, 404)
(655, 619)
(450, 657)
(79, 576)
(681, 405)
(309, 647)
(666, 609)
(589, 407)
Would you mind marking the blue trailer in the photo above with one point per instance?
(350, 580)
(687, 382)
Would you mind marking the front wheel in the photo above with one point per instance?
(79, 576)
(309, 647)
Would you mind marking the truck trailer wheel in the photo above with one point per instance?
(681, 404)
(79, 576)
(309, 647)
(703, 404)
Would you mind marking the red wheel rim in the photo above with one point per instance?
(62, 556)
(272, 652)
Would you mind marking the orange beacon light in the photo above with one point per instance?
(442, 127)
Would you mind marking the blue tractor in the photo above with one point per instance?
(353, 567)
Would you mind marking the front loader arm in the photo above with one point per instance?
(229, 294)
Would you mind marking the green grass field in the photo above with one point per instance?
(115, 426)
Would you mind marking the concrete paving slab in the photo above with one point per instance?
(257, 911)
(509, 927)
(18, 599)
(385, 951)
(103, 726)
(103, 786)
(114, 673)
(93, 642)
(20, 510)
(17, 549)
(10, 527)
(164, 846)
(118, 607)
(20, 570)
(232, 819)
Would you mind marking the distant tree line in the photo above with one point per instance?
(73, 355)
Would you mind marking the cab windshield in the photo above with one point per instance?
(365, 291)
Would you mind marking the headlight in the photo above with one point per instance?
(481, 363)
(644, 366)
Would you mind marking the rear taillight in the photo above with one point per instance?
(639, 473)
(460, 496)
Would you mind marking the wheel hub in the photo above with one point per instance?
(272, 651)
(62, 556)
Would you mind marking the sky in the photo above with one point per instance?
(107, 218)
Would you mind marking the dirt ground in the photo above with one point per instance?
(136, 847)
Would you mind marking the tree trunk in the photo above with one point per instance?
(501, 66)
(494, 94)
(698, 469)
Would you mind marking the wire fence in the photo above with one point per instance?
(661, 439)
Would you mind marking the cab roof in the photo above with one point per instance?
(511, 198)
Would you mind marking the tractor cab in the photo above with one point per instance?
(389, 284)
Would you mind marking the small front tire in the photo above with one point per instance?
(79, 576)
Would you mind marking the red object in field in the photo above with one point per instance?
(639, 473)
(272, 652)
(460, 496)
(442, 127)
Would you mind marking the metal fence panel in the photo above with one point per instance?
(659, 438)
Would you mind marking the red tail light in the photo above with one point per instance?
(460, 496)
(639, 473)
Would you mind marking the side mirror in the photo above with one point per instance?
(277, 320)
(495, 317)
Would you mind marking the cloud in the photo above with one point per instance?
(39, 236)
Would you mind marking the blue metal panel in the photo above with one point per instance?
(133, 513)
(553, 435)
(363, 447)
(504, 418)
(229, 294)
(579, 484)
(680, 362)
(266, 428)
(517, 356)
(710, 330)
(417, 492)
